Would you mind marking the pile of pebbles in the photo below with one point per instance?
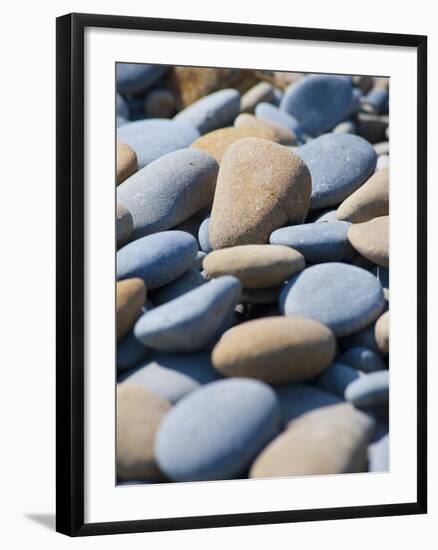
(252, 274)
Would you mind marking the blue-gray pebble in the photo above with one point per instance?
(338, 165)
(369, 390)
(363, 359)
(169, 190)
(130, 352)
(194, 320)
(133, 78)
(379, 455)
(344, 297)
(203, 237)
(213, 111)
(317, 242)
(152, 138)
(318, 102)
(298, 399)
(122, 107)
(157, 259)
(217, 431)
(336, 378)
(189, 280)
(273, 114)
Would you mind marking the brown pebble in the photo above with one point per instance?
(371, 240)
(381, 332)
(139, 414)
(262, 91)
(131, 296)
(283, 135)
(126, 162)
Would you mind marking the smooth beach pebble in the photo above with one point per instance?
(283, 135)
(371, 240)
(212, 111)
(154, 137)
(122, 107)
(167, 383)
(203, 236)
(369, 390)
(338, 164)
(131, 296)
(157, 259)
(362, 338)
(188, 176)
(273, 114)
(298, 399)
(126, 162)
(252, 199)
(130, 352)
(330, 440)
(139, 414)
(379, 455)
(255, 265)
(363, 359)
(217, 142)
(262, 91)
(160, 104)
(317, 242)
(381, 332)
(346, 298)
(133, 78)
(194, 320)
(336, 378)
(197, 366)
(124, 225)
(189, 280)
(370, 201)
(276, 350)
(382, 162)
(217, 431)
(318, 102)
(326, 216)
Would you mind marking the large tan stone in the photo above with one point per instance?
(255, 265)
(131, 296)
(276, 350)
(260, 187)
(370, 201)
(371, 240)
(139, 414)
(328, 440)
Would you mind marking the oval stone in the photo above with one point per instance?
(154, 137)
(262, 91)
(122, 107)
(203, 236)
(255, 265)
(381, 332)
(330, 440)
(344, 297)
(370, 201)
(130, 352)
(194, 320)
(196, 366)
(131, 296)
(260, 187)
(371, 240)
(283, 135)
(363, 359)
(217, 431)
(318, 102)
(269, 112)
(336, 378)
(212, 111)
(160, 104)
(370, 390)
(124, 225)
(217, 142)
(326, 216)
(189, 280)
(276, 350)
(379, 455)
(187, 176)
(134, 78)
(338, 164)
(317, 242)
(157, 259)
(126, 162)
(139, 414)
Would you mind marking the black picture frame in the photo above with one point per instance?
(70, 273)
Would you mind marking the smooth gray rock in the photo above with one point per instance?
(134, 78)
(203, 237)
(370, 390)
(336, 378)
(298, 399)
(363, 359)
(189, 280)
(169, 190)
(378, 454)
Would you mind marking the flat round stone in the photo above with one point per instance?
(187, 176)
(157, 259)
(346, 298)
(370, 201)
(317, 242)
(338, 164)
(134, 78)
(371, 240)
(269, 112)
(217, 142)
(381, 332)
(194, 320)
(217, 431)
(363, 359)
(139, 414)
(255, 265)
(154, 137)
(318, 102)
(329, 440)
(370, 390)
(124, 225)
(131, 296)
(283, 135)
(276, 350)
(260, 187)
(126, 161)
(213, 111)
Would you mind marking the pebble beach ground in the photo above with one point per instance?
(252, 274)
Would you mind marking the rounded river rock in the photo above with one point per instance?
(371, 240)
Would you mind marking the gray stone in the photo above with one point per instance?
(363, 359)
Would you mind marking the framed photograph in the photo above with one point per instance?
(241, 230)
